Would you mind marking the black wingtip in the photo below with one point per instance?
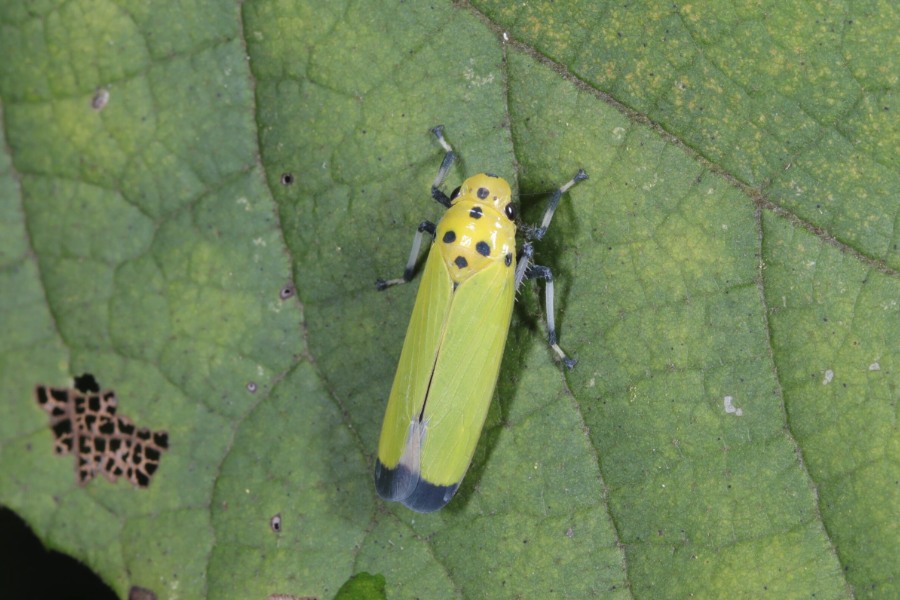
(402, 485)
(428, 497)
(394, 484)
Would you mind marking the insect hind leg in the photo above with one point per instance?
(539, 272)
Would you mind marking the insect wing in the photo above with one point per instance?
(397, 464)
(462, 386)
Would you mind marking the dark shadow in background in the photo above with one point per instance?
(29, 571)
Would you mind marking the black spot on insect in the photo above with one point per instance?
(492, 175)
(483, 249)
(510, 211)
(461, 262)
(508, 259)
(286, 292)
(287, 179)
(476, 213)
(449, 237)
(455, 193)
(275, 523)
(483, 193)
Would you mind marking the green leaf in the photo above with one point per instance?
(195, 202)
(362, 586)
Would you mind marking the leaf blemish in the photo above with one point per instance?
(83, 419)
(100, 99)
(829, 375)
(138, 593)
(275, 523)
(730, 408)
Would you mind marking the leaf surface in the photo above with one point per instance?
(195, 202)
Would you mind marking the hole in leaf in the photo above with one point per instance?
(86, 384)
(103, 442)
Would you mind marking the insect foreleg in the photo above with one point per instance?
(424, 226)
(449, 157)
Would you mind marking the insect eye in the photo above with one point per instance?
(455, 194)
(510, 211)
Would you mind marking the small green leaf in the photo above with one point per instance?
(362, 586)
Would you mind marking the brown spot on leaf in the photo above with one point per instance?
(137, 593)
(100, 99)
(104, 443)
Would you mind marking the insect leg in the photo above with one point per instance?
(539, 232)
(538, 272)
(449, 157)
(424, 226)
(523, 264)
